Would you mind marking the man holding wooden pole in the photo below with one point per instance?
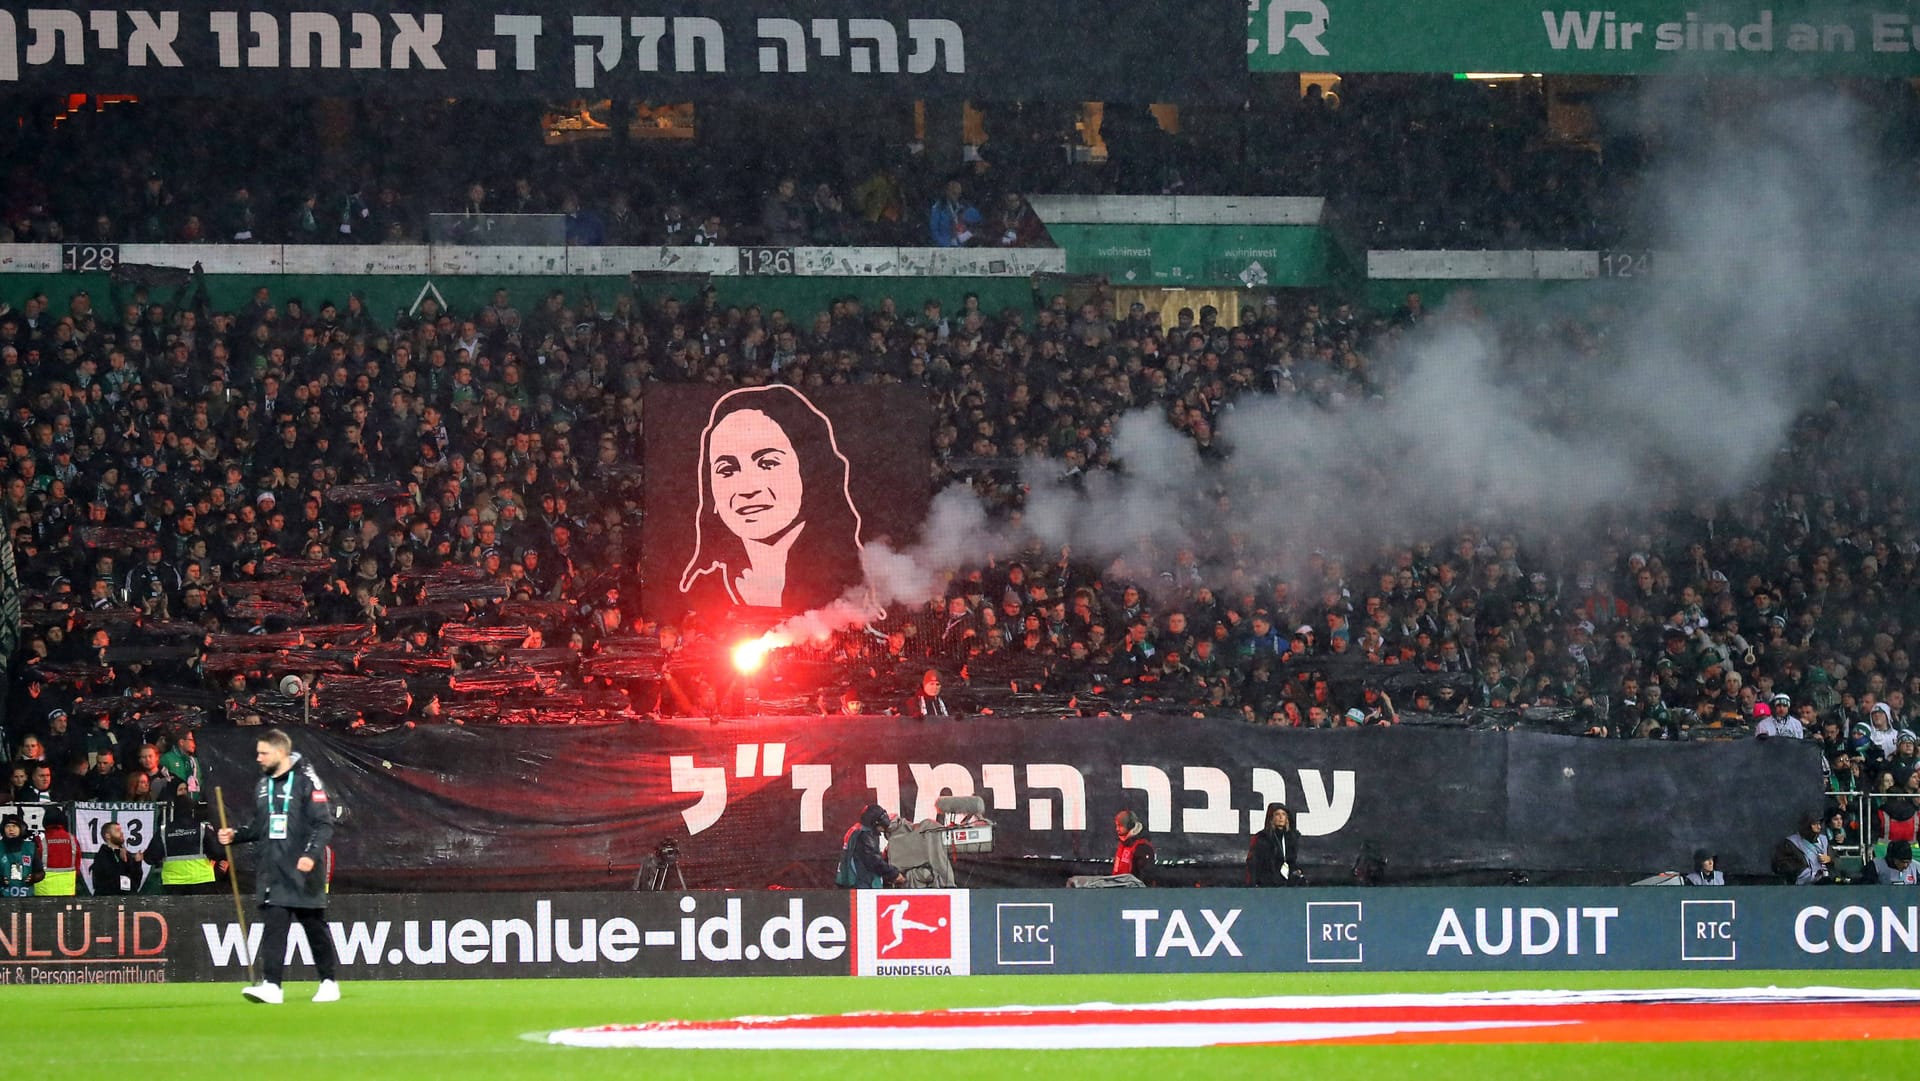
(292, 822)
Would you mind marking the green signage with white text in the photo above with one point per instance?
(1616, 38)
(1173, 256)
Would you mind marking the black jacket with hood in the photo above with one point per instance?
(1273, 856)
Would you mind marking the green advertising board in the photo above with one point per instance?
(1173, 256)
(392, 279)
(387, 295)
(1617, 38)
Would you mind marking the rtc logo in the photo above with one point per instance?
(912, 933)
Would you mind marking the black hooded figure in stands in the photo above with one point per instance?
(1273, 856)
(776, 527)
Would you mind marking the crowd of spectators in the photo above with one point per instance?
(1405, 161)
(431, 521)
(435, 519)
(194, 171)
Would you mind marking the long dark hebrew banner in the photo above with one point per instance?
(758, 49)
(767, 801)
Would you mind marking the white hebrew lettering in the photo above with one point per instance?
(648, 30)
(304, 29)
(153, 36)
(932, 782)
(931, 38)
(709, 781)
(884, 779)
(59, 32)
(369, 34)
(106, 29)
(827, 33)
(1271, 788)
(698, 32)
(524, 30)
(773, 760)
(226, 35)
(416, 39)
(997, 778)
(9, 48)
(885, 47)
(788, 48)
(589, 60)
(265, 50)
(1073, 794)
(1216, 815)
(1324, 814)
(812, 782)
(1159, 789)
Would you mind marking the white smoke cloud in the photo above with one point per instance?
(957, 532)
(1784, 256)
(1784, 259)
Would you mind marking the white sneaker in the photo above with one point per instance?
(329, 992)
(266, 993)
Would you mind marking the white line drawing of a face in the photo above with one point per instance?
(755, 475)
(776, 522)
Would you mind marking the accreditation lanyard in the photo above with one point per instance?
(277, 820)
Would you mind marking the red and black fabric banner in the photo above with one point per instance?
(765, 801)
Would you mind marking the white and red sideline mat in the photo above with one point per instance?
(1808, 1013)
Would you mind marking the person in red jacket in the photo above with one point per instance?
(1133, 854)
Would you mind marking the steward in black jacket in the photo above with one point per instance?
(1273, 857)
(292, 822)
(296, 797)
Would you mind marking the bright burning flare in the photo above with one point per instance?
(749, 655)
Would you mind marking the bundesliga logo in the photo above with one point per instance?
(913, 933)
(915, 928)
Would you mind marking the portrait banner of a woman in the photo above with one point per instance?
(760, 500)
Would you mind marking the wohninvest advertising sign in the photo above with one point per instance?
(1638, 36)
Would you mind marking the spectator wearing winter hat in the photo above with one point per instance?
(1802, 858)
(1778, 721)
(1895, 868)
(1706, 871)
(1880, 731)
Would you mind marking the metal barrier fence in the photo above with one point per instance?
(1873, 833)
(494, 230)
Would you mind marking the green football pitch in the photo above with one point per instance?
(480, 1029)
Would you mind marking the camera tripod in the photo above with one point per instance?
(653, 872)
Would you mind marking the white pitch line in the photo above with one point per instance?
(1063, 1037)
(1398, 1001)
(1056, 1026)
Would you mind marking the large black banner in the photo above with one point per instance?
(752, 803)
(760, 501)
(764, 49)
